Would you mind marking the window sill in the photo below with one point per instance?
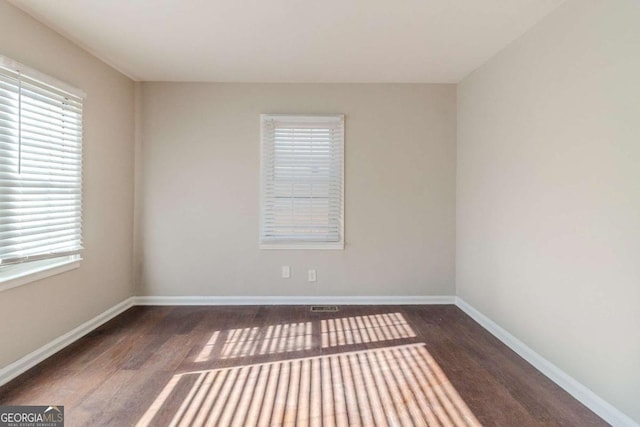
(302, 246)
(19, 278)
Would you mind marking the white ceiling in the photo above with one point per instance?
(438, 41)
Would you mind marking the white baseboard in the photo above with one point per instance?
(27, 362)
(293, 300)
(583, 394)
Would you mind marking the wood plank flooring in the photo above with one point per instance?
(283, 365)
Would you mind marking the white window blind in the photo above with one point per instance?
(302, 182)
(40, 168)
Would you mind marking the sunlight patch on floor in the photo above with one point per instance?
(244, 342)
(364, 329)
(391, 386)
(270, 340)
(282, 338)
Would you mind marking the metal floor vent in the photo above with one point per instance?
(323, 308)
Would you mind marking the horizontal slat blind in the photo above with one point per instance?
(40, 170)
(302, 179)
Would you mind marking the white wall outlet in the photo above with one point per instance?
(312, 275)
(286, 272)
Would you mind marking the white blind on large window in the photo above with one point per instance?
(40, 169)
(302, 180)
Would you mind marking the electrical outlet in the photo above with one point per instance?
(312, 275)
(286, 272)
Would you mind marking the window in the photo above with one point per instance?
(40, 171)
(302, 182)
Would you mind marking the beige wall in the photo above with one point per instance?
(200, 220)
(548, 193)
(36, 313)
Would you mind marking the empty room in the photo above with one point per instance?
(336, 213)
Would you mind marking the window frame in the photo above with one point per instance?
(18, 274)
(301, 245)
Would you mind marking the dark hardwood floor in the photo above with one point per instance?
(276, 365)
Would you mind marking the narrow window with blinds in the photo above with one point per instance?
(302, 182)
(40, 172)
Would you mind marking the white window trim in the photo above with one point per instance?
(44, 78)
(306, 245)
(24, 274)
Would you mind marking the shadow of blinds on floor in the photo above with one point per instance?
(391, 386)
